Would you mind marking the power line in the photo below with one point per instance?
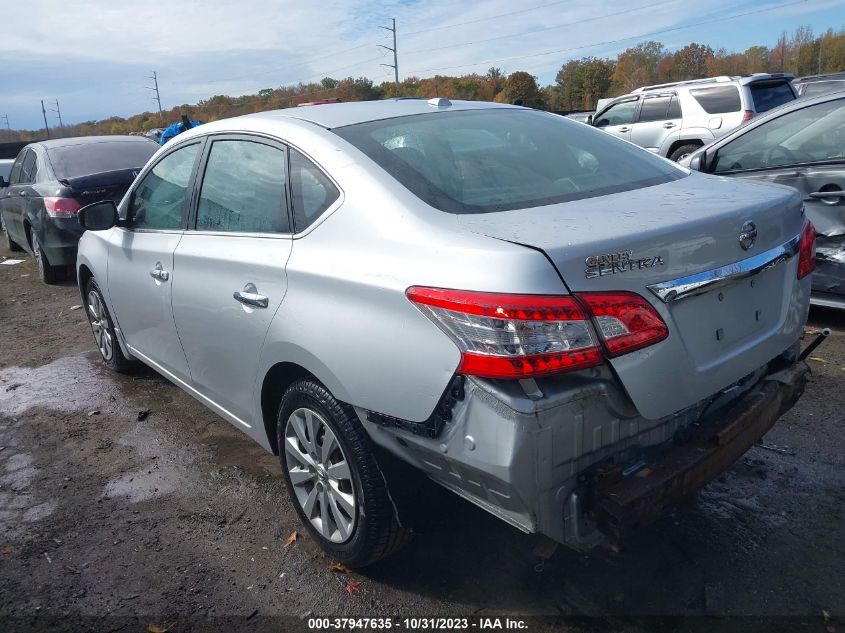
(616, 41)
(490, 17)
(547, 28)
(395, 65)
(158, 95)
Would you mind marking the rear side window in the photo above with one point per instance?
(158, 202)
(29, 167)
(85, 159)
(770, 94)
(718, 99)
(15, 176)
(243, 190)
(311, 190)
(498, 159)
(654, 109)
(816, 88)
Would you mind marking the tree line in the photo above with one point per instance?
(579, 83)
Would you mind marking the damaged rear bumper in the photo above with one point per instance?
(573, 460)
(625, 503)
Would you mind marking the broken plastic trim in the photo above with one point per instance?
(441, 415)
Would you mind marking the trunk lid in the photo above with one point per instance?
(109, 185)
(657, 234)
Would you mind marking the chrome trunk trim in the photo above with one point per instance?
(699, 283)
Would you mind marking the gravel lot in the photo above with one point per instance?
(111, 522)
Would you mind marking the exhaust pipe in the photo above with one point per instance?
(814, 344)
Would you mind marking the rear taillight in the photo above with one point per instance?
(625, 321)
(523, 336)
(747, 116)
(61, 207)
(807, 251)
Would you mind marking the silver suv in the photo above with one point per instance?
(675, 119)
(560, 327)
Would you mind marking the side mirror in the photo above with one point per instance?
(589, 120)
(98, 216)
(3, 182)
(698, 161)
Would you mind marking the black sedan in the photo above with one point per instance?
(51, 180)
(802, 145)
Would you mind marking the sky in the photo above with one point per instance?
(94, 55)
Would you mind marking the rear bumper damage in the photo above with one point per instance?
(572, 459)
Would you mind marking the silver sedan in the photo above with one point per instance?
(548, 321)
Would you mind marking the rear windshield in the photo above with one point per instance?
(85, 159)
(718, 99)
(770, 94)
(480, 161)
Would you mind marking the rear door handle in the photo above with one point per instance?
(624, 129)
(669, 125)
(22, 193)
(249, 296)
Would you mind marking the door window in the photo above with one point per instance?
(654, 109)
(718, 99)
(15, 176)
(243, 189)
(311, 190)
(674, 108)
(158, 202)
(812, 134)
(28, 169)
(618, 114)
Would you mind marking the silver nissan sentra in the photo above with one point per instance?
(554, 324)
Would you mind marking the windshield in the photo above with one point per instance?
(480, 161)
(86, 159)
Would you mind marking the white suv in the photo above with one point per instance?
(675, 119)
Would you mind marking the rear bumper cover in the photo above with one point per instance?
(624, 503)
(552, 461)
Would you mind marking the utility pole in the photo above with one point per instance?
(157, 98)
(58, 111)
(8, 129)
(44, 112)
(821, 41)
(395, 64)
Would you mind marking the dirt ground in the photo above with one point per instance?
(111, 522)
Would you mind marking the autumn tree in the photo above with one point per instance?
(637, 66)
(521, 87)
(690, 62)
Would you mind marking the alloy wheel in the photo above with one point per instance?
(100, 325)
(39, 258)
(320, 475)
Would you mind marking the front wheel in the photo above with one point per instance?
(333, 478)
(683, 150)
(104, 333)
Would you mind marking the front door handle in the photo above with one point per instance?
(828, 194)
(624, 129)
(22, 193)
(249, 296)
(159, 274)
(669, 125)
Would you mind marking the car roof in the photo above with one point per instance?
(333, 115)
(89, 140)
(826, 77)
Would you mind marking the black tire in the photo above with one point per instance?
(683, 150)
(48, 273)
(115, 360)
(11, 244)
(377, 532)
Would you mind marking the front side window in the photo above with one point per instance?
(808, 135)
(654, 109)
(15, 176)
(243, 189)
(618, 114)
(718, 99)
(311, 190)
(498, 159)
(159, 201)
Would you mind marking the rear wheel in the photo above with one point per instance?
(49, 274)
(334, 480)
(683, 150)
(104, 333)
(10, 243)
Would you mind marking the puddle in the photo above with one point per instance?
(85, 387)
(147, 483)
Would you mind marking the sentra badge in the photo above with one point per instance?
(621, 262)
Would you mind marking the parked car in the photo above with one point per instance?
(5, 170)
(527, 310)
(815, 85)
(675, 119)
(51, 180)
(801, 145)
